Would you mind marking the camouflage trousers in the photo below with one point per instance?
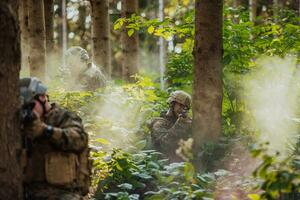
(50, 193)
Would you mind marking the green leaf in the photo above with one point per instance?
(130, 32)
(125, 186)
(102, 141)
(141, 144)
(189, 171)
(118, 24)
(254, 196)
(151, 29)
(119, 167)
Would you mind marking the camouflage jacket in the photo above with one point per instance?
(92, 78)
(88, 80)
(166, 132)
(74, 140)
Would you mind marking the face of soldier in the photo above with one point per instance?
(38, 108)
(178, 109)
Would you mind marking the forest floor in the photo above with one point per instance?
(238, 181)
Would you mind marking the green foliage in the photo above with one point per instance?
(145, 176)
(243, 43)
(73, 100)
(167, 28)
(279, 178)
(116, 116)
(180, 70)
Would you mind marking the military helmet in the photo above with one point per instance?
(30, 87)
(77, 51)
(181, 97)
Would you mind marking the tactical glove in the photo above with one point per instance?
(35, 129)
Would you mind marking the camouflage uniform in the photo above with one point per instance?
(74, 140)
(90, 76)
(166, 133)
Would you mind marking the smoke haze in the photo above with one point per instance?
(271, 94)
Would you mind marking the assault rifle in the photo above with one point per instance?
(27, 115)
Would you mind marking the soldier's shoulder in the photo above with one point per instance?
(159, 122)
(58, 114)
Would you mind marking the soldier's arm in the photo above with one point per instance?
(159, 131)
(181, 129)
(99, 79)
(70, 135)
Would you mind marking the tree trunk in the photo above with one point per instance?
(252, 9)
(49, 16)
(130, 44)
(207, 87)
(58, 14)
(162, 47)
(100, 35)
(10, 136)
(82, 9)
(37, 52)
(236, 3)
(64, 31)
(23, 19)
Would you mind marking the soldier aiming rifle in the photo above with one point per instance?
(56, 158)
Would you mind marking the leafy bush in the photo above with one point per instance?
(179, 73)
(115, 116)
(145, 176)
(280, 179)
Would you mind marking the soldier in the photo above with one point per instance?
(80, 73)
(55, 147)
(173, 125)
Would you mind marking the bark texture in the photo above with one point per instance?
(130, 45)
(207, 87)
(253, 10)
(10, 136)
(58, 20)
(23, 19)
(100, 35)
(49, 16)
(236, 3)
(84, 33)
(37, 52)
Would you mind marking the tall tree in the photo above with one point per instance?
(49, 16)
(236, 3)
(252, 10)
(37, 52)
(82, 29)
(58, 21)
(207, 86)
(100, 34)
(130, 45)
(162, 46)
(10, 136)
(23, 19)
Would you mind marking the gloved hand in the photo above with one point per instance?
(183, 120)
(35, 129)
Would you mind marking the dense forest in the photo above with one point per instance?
(237, 59)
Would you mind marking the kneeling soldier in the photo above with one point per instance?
(57, 156)
(80, 73)
(173, 125)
